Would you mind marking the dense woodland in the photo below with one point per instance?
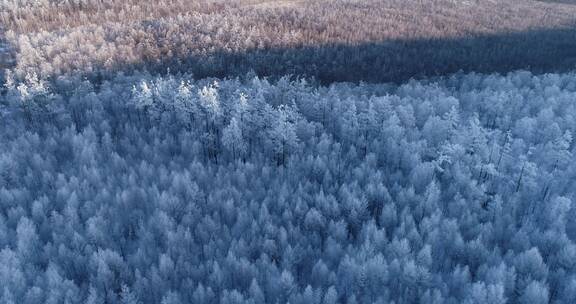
(253, 151)
(174, 190)
(342, 40)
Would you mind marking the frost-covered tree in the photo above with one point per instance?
(282, 134)
(233, 140)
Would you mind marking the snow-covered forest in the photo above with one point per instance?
(287, 151)
(166, 189)
(331, 40)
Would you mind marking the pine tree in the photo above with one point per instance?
(127, 296)
(330, 297)
(535, 293)
(256, 293)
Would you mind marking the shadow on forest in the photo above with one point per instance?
(559, 1)
(539, 51)
(6, 56)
